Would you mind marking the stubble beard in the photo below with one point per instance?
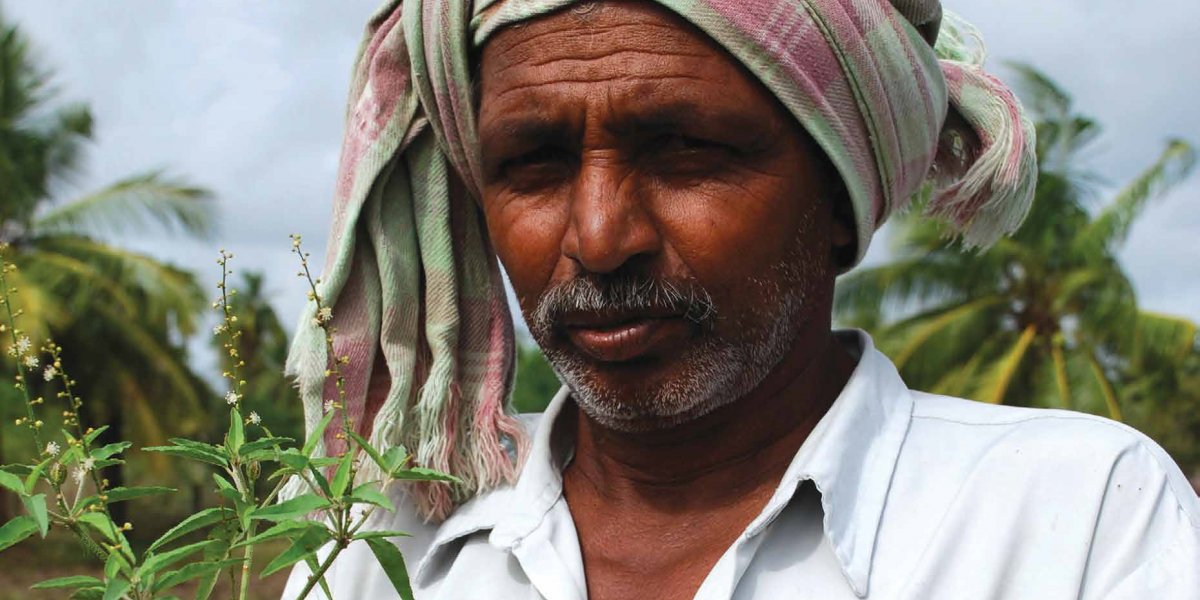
(715, 372)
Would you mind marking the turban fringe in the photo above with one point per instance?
(417, 296)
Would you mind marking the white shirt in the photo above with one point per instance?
(896, 494)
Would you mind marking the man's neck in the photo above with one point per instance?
(737, 452)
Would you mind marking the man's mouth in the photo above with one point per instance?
(623, 337)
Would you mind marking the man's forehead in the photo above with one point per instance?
(640, 26)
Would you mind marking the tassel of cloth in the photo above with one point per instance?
(417, 297)
(992, 198)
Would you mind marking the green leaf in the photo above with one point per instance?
(192, 453)
(192, 571)
(301, 547)
(120, 494)
(114, 565)
(16, 530)
(310, 443)
(366, 535)
(392, 561)
(101, 523)
(93, 434)
(89, 593)
(313, 567)
(264, 443)
(116, 588)
(201, 519)
(36, 505)
(369, 494)
(423, 474)
(341, 477)
(290, 529)
(32, 479)
(12, 483)
(292, 509)
(237, 434)
(394, 458)
(110, 450)
(226, 490)
(156, 562)
(73, 581)
(319, 477)
(294, 459)
(370, 450)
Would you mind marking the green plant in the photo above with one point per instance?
(63, 485)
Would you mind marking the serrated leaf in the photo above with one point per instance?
(237, 434)
(319, 478)
(291, 509)
(156, 562)
(369, 494)
(120, 494)
(294, 459)
(366, 535)
(288, 529)
(264, 443)
(12, 483)
(36, 505)
(190, 572)
(310, 443)
(341, 477)
(73, 581)
(370, 450)
(16, 530)
(423, 474)
(201, 519)
(392, 561)
(110, 450)
(191, 453)
(301, 547)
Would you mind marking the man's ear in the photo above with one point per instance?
(843, 236)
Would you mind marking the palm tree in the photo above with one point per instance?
(122, 317)
(1047, 317)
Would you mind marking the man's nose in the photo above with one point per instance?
(610, 219)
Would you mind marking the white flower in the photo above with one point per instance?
(232, 397)
(324, 315)
(79, 474)
(52, 449)
(31, 361)
(87, 464)
(23, 345)
(50, 373)
(328, 405)
(254, 418)
(218, 330)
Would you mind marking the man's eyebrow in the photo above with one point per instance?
(682, 115)
(525, 128)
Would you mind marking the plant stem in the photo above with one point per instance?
(316, 577)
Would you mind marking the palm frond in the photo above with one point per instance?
(994, 385)
(1111, 226)
(133, 205)
(1106, 388)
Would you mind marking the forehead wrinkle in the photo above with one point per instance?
(624, 78)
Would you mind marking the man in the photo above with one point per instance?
(672, 189)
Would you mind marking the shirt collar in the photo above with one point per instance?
(849, 456)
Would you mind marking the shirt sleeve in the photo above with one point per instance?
(1147, 537)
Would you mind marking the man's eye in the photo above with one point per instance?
(682, 143)
(546, 155)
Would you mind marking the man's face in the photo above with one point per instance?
(658, 212)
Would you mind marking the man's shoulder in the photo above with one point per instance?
(1078, 452)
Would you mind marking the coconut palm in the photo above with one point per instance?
(1047, 317)
(121, 316)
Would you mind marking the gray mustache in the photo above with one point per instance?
(623, 293)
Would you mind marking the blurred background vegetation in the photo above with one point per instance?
(1048, 318)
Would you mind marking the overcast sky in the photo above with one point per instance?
(246, 98)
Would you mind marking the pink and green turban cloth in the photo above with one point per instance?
(417, 295)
